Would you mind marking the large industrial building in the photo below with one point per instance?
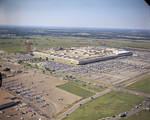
(82, 55)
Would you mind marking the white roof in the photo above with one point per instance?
(120, 52)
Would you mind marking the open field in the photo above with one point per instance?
(41, 42)
(107, 105)
(142, 115)
(141, 85)
(76, 90)
(90, 87)
(19, 45)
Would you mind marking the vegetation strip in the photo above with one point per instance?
(76, 90)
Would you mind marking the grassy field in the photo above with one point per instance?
(90, 87)
(112, 103)
(19, 45)
(141, 86)
(76, 90)
(142, 115)
(41, 42)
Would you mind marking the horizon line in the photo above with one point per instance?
(58, 27)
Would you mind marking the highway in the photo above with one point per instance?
(136, 110)
(73, 108)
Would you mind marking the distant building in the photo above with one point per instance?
(82, 55)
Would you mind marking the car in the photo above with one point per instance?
(15, 113)
(1, 112)
(136, 107)
(66, 114)
(140, 105)
(80, 104)
(132, 109)
(34, 113)
(122, 115)
(29, 111)
(126, 112)
(8, 116)
(21, 113)
(113, 116)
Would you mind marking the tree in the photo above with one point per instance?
(20, 61)
(32, 54)
(7, 69)
(47, 68)
(43, 71)
(70, 76)
(66, 76)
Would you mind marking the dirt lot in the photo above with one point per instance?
(5, 98)
(42, 86)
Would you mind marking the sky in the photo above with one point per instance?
(124, 14)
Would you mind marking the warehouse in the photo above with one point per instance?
(83, 55)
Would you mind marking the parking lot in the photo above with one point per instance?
(112, 71)
(38, 91)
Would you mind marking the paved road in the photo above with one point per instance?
(131, 92)
(136, 110)
(73, 108)
(137, 78)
